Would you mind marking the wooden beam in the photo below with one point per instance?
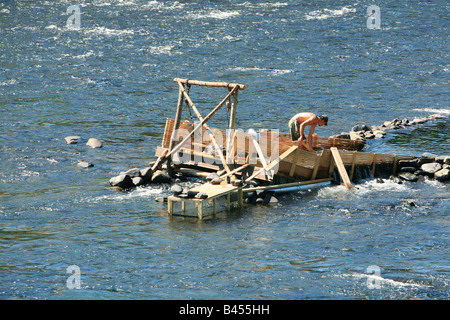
(273, 163)
(353, 164)
(294, 163)
(210, 84)
(341, 168)
(235, 171)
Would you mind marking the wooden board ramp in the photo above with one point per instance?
(201, 208)
(341, 168)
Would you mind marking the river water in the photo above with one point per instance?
(111, 78)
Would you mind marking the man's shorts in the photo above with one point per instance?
(294, 129)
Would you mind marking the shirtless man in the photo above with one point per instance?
(298, 123)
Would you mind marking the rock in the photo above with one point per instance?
(442, 175)
(201, 195)
(429, 155)
(410, 203)
(436, 116)
(379, 180)
(408, 169)
(160, 176)
(418, 121)
(408, 163)
(273, 199)
(135, 172)
(237, 183)
(431, 168)
(137, 181)
(422, 161)
(253, 183)
(191, 193)
(176, 189)
(357, 135)
(212, 176)
(85, 164)
(443, 159)
(216, 180)
(342, 135)
(361, 127)
(146, 173)
(408, 176)
(94, 143)
(123, 181)
(396, 179)
(161, 199)
(72, 139)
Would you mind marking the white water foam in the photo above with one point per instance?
(274, 72)
(214, 14)
(432, 110)
(140, 192)
(383, 282)
(327, 13)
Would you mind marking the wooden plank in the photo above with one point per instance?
(210, 84)
(273, 163)
(235, 171)
(353, 165)
(316, 167)
(341, 168)
(294, 163)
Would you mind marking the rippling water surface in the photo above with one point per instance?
(112, 79)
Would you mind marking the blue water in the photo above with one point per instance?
(112, 79)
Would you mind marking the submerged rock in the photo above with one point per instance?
(408, 176)
(85, 164)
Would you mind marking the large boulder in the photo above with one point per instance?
(123, 181)
(442, 175)
(431, 168)
(160, 176)
(94, 143)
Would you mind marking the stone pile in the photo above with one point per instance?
(363, 132)
(429, 165)
(138, 177)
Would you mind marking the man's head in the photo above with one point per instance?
(323, 120)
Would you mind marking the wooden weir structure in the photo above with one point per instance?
(239, 158)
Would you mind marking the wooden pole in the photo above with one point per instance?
(210, 84)
(175, 129)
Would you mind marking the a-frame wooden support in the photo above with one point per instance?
(182, 95)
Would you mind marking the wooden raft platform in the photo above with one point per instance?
(199, 208)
